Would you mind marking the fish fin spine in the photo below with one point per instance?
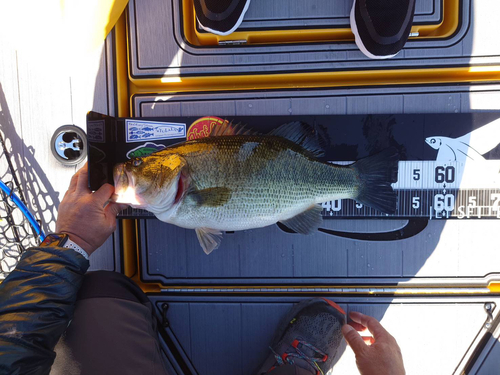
(313, 139)
(228, 128)
(210, 239)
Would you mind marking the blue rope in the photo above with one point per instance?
(23, 209)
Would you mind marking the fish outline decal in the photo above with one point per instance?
(469, 147)
(144, 150)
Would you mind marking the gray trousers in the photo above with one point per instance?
(113, 331)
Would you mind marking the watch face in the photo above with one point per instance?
(55, 240)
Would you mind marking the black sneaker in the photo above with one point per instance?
(220, 17)
(309, 337)
(382, 27)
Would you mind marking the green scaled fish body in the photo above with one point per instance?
(237, 182)
(247, 182)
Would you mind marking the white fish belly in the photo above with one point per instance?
(225, 219)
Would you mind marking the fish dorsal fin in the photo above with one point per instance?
(306, 222)
(312, 139)
(228, 128)
(210, 239)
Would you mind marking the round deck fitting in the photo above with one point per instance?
(69, 145)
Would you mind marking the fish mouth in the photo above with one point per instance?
(125, 190)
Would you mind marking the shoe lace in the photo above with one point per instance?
(290, 356)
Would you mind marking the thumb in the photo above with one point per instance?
(353, 339)
(103, 194)
(114, 209)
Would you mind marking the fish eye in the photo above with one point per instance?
(433, 141)
(137, 162)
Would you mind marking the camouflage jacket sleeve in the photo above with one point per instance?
(37, 301)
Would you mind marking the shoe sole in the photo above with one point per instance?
(283, 324)
(238, 23)
(358, 40)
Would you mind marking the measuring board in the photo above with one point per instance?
(451, 171)
(435, 190)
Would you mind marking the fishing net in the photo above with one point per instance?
(16, 232)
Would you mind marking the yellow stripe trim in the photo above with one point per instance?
(381, 77)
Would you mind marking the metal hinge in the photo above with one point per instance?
(164, 321)
(232, 42)
(489, 308)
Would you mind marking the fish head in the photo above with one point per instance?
(434, 142)
(155, 183)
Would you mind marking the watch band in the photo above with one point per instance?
(71, 245)
(62, 240)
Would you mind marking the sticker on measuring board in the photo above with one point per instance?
(460, 183)
(138, 130)
(144, 150)
(95, 131)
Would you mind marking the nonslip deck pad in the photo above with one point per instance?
(295, 36)
(200, 328)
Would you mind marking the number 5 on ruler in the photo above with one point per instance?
(416, 203)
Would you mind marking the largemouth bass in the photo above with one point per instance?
(235, 180)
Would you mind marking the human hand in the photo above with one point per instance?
(88, 218)
(377, 355)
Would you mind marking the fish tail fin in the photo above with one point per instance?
(376, 174)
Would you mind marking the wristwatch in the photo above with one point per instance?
(62, 240)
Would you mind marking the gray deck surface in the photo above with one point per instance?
(163, 50)
(286, 13)
(38, 93)
(240, 329)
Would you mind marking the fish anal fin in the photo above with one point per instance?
(228, 128)
(210, 239)
(306, 222)
(211, 197)
(312, 138)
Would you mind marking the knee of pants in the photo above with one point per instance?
(99, 284)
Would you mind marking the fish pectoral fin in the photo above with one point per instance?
(211, 197)
(210, 239)
(313, 139)
(306, 222)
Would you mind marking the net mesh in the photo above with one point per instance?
(16, 233)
